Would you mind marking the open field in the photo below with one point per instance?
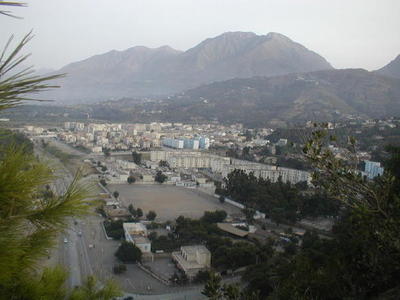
(169, 202)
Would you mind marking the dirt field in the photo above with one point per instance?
(169, 202)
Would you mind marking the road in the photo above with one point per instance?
(82, 261)
(72, 252)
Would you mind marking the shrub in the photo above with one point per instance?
(128, 253)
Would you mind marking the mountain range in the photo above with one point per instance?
(145, 72)
(392, 69)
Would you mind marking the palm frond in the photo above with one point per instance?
(19, 87)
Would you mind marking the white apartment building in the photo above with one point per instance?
(268, 172)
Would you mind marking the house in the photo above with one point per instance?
(136, 233)
(116, 213)
(192, 259)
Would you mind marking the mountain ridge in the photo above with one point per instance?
(325, 95)
(392, 69)
(141, 71)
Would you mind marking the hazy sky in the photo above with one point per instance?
(348, 33)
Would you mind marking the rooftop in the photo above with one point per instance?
(193, 249)
(232, 229)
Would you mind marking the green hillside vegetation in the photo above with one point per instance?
(361, 260)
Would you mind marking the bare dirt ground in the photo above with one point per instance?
(169, 202)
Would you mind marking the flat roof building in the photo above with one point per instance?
(192, 259)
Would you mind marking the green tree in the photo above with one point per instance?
(131, 179)
(107, 152)
(151, 215)
(132, 210)
(249, 214)
(137, 157)
(160, 177)
(163, 163)
(214, 216)
(139, 213)
(92, 289)
(361, 258)
(212, 288)
(30, 222)
(116, 194)
(114, 229)
(128, 253)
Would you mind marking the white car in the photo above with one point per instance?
(65, 240)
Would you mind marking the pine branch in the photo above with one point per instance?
(11, 3)
(19, 87)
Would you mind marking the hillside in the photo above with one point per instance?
(321, 95)
(142, 71)
(274, 101)
(392, 69)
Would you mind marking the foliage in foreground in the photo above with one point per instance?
(90, 290)
(362, 259)
(31, 215)
(29, 223)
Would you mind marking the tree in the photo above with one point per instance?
(214, 216)
(137, 157)
(131, 179)
(107, 152)
(249, 213)
(202, 276)
(116, 194)
(30, 222)
(114, 229)
(103, 168)
(153, 235)
(139, 213)
(160, 177)
(91, 289)
(128, 253)
(103, 182)
(151, 215)
(361, 260)
(212, 288)
(132, 210)
(163, 163)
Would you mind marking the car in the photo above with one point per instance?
(65, 240)
(80, 233)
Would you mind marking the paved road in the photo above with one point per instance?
(81, 261)
(72, 252)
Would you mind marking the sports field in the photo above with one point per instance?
(169, 202)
